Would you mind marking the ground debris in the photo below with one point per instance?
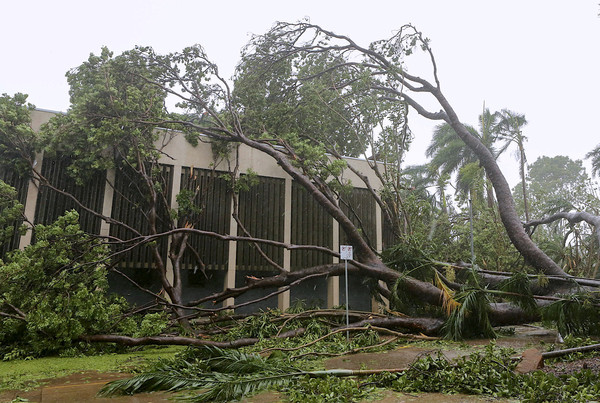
(571, 367)
(532, 360)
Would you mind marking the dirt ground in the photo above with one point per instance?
(565, 368)
(84, 386)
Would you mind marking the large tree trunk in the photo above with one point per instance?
(506, 205)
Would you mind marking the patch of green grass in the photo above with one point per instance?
(28, 374)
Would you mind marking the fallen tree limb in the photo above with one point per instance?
(166, 341)
(422, 325)
(560, 353)
(426, 326)
(494, 277)
(352, 351)
(573, 218)
(325, 313)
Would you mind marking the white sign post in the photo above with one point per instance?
(346, 254)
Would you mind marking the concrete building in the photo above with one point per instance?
(286, 208)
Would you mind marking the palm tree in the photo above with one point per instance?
(595, 156)
(509, 129)
(422, 178)
(488, 131)
(450, 154)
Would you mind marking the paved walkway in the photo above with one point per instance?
(81, 388)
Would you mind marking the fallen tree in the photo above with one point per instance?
(305, 76)
(571, 217)
(424, 326)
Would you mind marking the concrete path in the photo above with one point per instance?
(82, 387)
(78, 388)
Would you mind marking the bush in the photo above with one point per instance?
(10, 212)
(54, 291)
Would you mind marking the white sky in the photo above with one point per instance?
(537, 57)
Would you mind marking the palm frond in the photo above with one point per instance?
(151, 382)
(576, 314)
(225, 375)
(471, 317)
(594, 155)
(449, 304)
(447, 150)
(232, 361)
(518, 291)
(226, 388)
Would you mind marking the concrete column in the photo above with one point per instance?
(31, 201)
(376, 306)
(283, 299)
(232, 259)
(107, 204)
(333, 283)
(175, 188)
(378, 228)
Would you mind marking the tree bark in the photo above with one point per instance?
(426, 326)
(506, 205)
(573, 218)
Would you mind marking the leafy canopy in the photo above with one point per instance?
(54, 291)
(17, 138)
(10, 212)
(115, 108)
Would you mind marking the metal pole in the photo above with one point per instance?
(347, 309)
(471, 221)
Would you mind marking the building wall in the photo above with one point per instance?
(290, 216)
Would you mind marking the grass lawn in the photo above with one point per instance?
(27, 374)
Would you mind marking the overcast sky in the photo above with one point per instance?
(539, 58)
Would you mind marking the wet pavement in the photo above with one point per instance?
(82, 387)
(402, 357)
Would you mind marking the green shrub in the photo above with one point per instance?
(491, 373)
(10, 212)
(54, 291)
(326, 390)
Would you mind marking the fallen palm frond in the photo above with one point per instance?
(470, 318)
(152, 381)
(449, 304)
(574, 314)
(518, 291)
(221, 375)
